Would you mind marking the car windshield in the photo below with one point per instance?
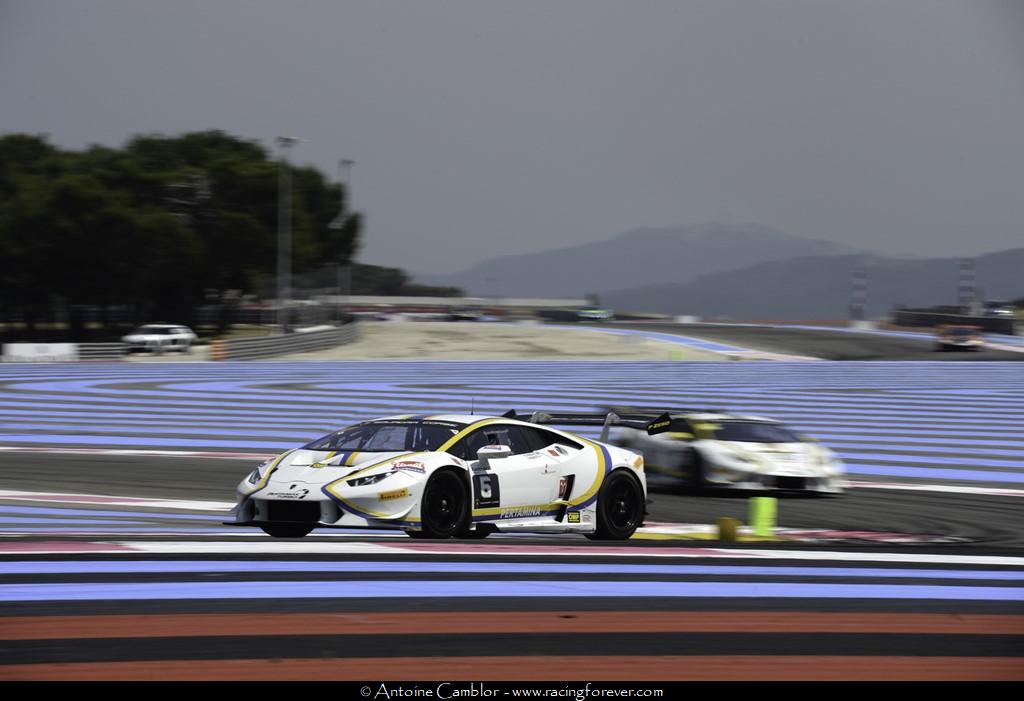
(962, 333)
(388, 436)
(753, 432)
(151, 329)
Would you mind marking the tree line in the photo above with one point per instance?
(162, 226)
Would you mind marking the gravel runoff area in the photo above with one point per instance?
(497, 341)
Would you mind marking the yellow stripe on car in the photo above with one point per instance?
(466, 431)
(355, 509)
(263, 482)
(602, 467)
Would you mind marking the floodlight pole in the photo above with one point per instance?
(344, 175)
(284, 231)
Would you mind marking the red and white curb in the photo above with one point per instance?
(652, 531)
(270, 547)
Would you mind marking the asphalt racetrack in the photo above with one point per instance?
(829, 344)
(114, 480)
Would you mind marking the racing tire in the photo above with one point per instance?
(620, 507)
(287, 530)
(444, 509)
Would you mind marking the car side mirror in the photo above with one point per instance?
(492, 452)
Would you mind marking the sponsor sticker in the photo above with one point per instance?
(295, 492)
(396, 494)
(574, 517)
(518, 512)
(409, 466)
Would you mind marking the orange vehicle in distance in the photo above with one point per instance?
(955, 337)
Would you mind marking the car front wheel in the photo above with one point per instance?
(444, 511)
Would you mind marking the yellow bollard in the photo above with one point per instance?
(727, 528)
(762, 516)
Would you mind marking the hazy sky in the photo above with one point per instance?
(483, 127)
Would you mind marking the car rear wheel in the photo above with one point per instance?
(620, 507)
(695, 473)
(444, 511)
(289, 530)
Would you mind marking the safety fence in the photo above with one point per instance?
(270, 346)
(991, 324)
(102, 351)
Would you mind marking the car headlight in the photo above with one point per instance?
(256, 475)
(369, 479)
(829, 464)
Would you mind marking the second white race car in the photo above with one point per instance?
(703, 450)
(451, 476)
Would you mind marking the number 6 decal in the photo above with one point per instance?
(486, 491)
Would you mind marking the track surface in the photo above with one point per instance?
(822, 343)
(129, 589)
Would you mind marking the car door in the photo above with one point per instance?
(575, 463)
(525, 480)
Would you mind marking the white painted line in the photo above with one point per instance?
(101, 500)
(482, 550)
(948, 488)
(142, 451)
(1004, 347)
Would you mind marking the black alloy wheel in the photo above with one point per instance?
(444, 511)
(620, 507)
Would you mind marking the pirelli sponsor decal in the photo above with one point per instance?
(392, 495)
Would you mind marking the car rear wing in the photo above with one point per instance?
(605, 419)
(659, 410)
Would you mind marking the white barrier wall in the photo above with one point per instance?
(39, 352)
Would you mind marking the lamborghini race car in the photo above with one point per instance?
(451, 476)
(704, 450)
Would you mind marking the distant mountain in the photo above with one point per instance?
(673, 255)
(818, 287)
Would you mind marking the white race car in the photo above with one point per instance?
(160, 337)
(707, 450)
(451, 476)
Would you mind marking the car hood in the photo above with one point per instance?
(315, 467)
